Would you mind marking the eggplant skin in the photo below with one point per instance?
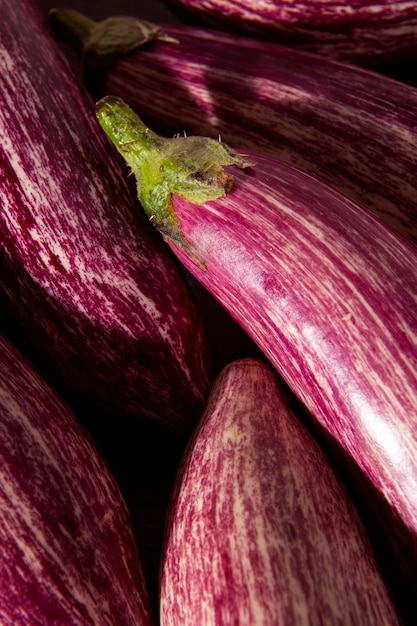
(68, 553)
(353, 128)
(87, 288)
(327, 292)
(367, 33)
(262, 530)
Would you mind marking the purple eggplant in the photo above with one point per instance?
(261, 529)
(324, 288)
(354, 128)
(68, 554)
(363, 31)
(86, 288)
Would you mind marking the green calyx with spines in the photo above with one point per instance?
(190, 167)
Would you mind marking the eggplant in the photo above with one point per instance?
(354, 128)
(325, 289)
(363, 32)
(261, 528)
(68, 553)
(87, 288)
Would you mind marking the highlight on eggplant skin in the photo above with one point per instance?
(68, 553)
(86, 288)
(367, 33)
(354, 128)
(261, 530)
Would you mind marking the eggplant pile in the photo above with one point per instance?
(203, 161)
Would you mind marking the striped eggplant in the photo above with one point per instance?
(86, 288)
(68, 554)
(354, 128)
(261, 529)
(323, 287)
(363, 32)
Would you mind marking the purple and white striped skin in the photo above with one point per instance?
(328, 293)
(68, 554)
(261, 529)
(354, 128)
(86, 287)
(362, 31)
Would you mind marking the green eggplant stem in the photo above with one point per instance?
(101, 45)
(190, 167)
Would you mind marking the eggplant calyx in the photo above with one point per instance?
(190, 167)
(100, 45)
